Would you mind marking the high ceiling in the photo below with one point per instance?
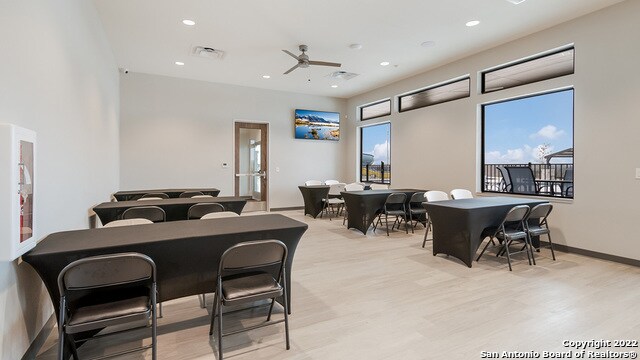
(148, 36)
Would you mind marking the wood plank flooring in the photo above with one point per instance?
(379, 297)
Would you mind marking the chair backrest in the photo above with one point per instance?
(436, 195)
(354, 187)
(522, 179)
(106, 271)
(516, 213)
(153, 213)
(379, 186)
(219, 214)
(312, 182)
(336, 189)
(396, 198)
(155, 195)
(331, 182)
(567, 188)
(540, 212)
(249, 255)
(417, 197)
(190, 194)
(506, 181)
(461, 194)
(128, 222)
(196, 211)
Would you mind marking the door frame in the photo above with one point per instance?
(266, 185)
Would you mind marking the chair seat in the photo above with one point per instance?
(333, 201)
(395, 212)
(250, 288)
(537, 230)
(512, 235)
(418, 210)
(108, 314)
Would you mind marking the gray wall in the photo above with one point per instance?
(177, 133)
(437, 147)
(58, 78)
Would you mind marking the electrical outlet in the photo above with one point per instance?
(225, 165)
(638, 173)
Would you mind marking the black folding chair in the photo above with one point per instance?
(153, 213)
(537, 225)
(243, 278)
(511, 229)
(416, 210)
(394, 206)
(189, 194)
(196, 211)
(101, 291)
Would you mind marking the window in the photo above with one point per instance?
(375, 153)
(374, 110)
(533, 132)
(530, 70)
(436, 94)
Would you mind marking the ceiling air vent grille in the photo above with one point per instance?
(343, 75)
(207, 52)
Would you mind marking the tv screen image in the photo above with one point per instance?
(317, 125)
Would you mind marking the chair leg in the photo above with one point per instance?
(482, 252)
(426, 232)
(154, 327)
(553, 255)
(286, 307)
(61, 338)
(530, 248)
(386, 220)
(214, 311)
(160, 306)
(406, 225)
(506, 249)
(203, 300)
(271, 308)
(219, 329)
(411, 221)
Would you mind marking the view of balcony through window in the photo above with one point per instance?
(375, 153)
(534, 132)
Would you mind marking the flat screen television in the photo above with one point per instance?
(317, 125)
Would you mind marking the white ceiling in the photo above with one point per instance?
(148, 36)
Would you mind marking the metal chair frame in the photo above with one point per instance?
(82, 275)
(243, 259)
(541, 213)
(417, 198)
(393, 200)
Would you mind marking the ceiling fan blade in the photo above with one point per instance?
(290, 70)
(291, 54)
(324, 63)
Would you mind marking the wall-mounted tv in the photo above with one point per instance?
(317, 125)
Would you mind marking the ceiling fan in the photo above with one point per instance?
(304, 62)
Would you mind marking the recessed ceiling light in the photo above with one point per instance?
(355, 46)
(384, 63)
(428, 44)
(179, 63)
(188, 22)
(472, 23)
(334, 86)
(266, 76)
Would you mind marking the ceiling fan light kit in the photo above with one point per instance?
(303, 60)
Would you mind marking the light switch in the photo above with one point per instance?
(278, 169)
(225, 165)
(638, 173)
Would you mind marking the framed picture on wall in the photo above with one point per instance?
(317, 125)
(17, 189)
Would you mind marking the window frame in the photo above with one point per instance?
(542, 55)
(432, 87)
(515, 98)
(362, 107)
(360, 174)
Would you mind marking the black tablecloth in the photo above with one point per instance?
(458, 224)
(312, 196)
(186, 253)
(362, 206)
(176, 209)
(173, 193)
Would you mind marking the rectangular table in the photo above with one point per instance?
(312, 196)
(458, 224)
(186, 253)
(363, 206)
(173, 193)
(176, 209)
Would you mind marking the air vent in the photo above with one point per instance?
(207, 52)
(343, 75)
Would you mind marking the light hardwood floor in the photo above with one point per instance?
(379, 297)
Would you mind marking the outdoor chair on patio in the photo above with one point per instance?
(522, 180)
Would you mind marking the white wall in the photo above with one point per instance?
(436, 147)
(58, 78)
(177, 133)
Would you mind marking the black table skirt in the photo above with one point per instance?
(186, 253)
(363, 206)
(312, 196)
(176, 209)
(458, 224)
(173, 193)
